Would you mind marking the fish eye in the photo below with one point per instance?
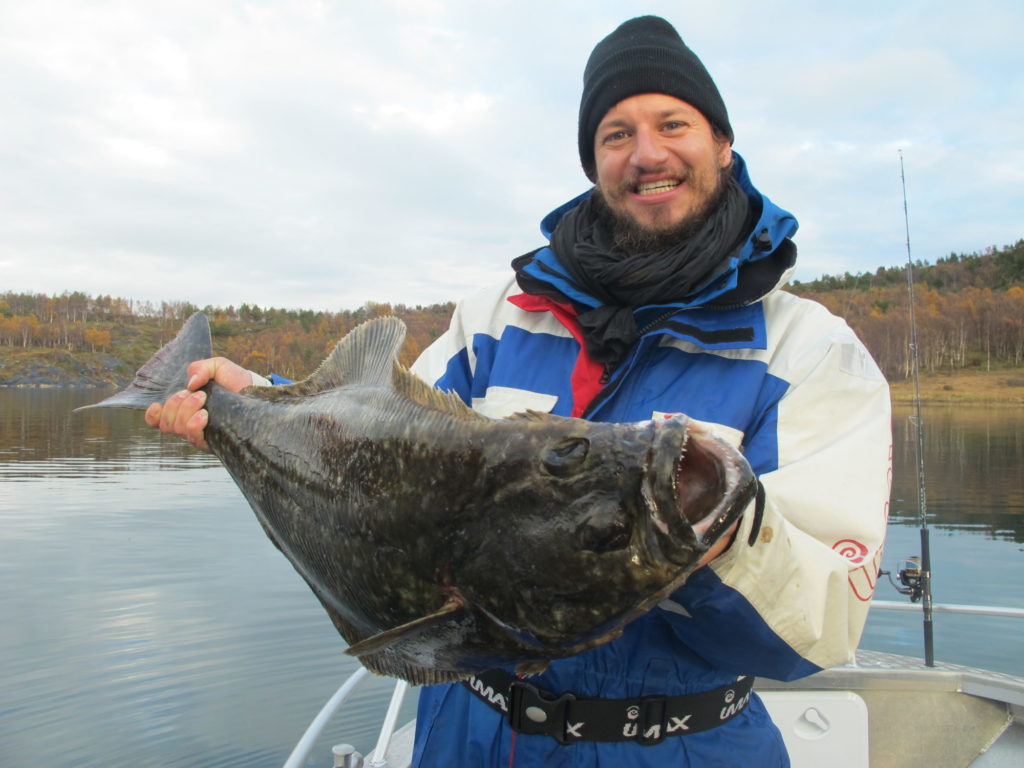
(565, 456)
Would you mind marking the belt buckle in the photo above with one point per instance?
(531, 712)
(652, 719)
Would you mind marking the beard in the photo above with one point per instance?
(632, 237)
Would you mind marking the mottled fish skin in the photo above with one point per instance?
(441, 542)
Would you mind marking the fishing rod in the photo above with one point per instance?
(920, 583)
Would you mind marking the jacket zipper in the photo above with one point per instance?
(608, 372)
(606, 376)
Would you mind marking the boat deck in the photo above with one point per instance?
(883, 711)
(946, 715)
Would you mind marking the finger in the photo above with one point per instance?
(190, 405)
(219, 369)
(153, 414)
(200, 372)
(230, 375)
(195, 427)
(169, 414)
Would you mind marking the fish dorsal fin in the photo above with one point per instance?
(369, 355)
(366, 355)
(416, 389)
(530, 415)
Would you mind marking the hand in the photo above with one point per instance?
(183, 413)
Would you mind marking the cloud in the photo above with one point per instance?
(302, 153)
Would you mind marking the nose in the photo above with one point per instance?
(649, 151)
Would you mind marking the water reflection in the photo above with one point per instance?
(41, 437)
(149, 621)
(974, 469)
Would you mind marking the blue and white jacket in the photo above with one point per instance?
(778, 376)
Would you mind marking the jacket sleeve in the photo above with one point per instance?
(791, 594)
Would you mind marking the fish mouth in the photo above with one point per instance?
(699, 485)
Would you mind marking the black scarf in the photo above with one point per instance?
(584, 244)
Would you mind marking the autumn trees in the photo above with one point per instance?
(969, 311)
(288, 342)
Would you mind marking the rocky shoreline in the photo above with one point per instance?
(104, 371)
(100, 371)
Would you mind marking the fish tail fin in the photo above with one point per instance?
(166, 371)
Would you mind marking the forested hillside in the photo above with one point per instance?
(969, 310)
(84, 336)
(970, 314)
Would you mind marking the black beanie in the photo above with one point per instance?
(644, 55)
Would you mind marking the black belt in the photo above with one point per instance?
(569, 718)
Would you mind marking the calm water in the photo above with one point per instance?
(148, 621)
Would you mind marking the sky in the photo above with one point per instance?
(315, 154)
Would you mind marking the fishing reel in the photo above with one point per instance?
(910, 576)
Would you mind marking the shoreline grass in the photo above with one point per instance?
(1004, 386)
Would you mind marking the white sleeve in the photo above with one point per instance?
(811, 570)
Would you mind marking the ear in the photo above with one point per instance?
(724, 153)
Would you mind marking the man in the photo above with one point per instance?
(659, 293)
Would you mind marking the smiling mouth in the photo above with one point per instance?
(656, 187)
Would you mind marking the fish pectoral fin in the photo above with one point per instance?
(384, 640)
(531, 668)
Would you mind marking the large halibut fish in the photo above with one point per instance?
(442, 542)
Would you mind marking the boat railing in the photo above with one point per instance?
(976, 610)
(345, 755)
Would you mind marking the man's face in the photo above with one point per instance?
(659, 166)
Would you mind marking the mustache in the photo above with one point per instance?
(632, 237)
(631, 182)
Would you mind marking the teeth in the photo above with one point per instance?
(654, 187)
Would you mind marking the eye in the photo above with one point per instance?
(565, 456)
(615, 137)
